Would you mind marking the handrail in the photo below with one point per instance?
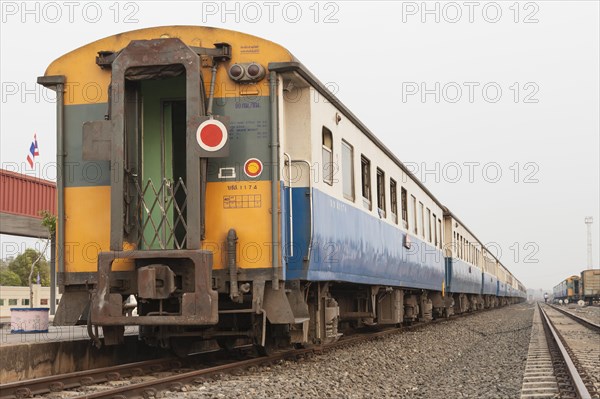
(289, 162)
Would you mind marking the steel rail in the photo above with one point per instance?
(591, 325)
(175, 382)
(57, 383)
(60, 382)
(580, 388)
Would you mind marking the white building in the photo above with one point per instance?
(18, 297)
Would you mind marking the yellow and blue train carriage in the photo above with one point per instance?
(568, 289)
(164, 138)
(212, 177)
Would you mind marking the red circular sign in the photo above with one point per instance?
(253, 167)
(211, 135)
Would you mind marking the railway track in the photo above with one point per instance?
(57, 383)
(173, 373)
(582, 340)
(582, 320)
(179, 375)
(563, 359)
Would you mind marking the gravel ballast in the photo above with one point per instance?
(478, 356)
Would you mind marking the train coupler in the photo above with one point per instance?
(172, 287)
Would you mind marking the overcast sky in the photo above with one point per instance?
(495, 105)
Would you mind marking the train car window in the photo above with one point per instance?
(468, 250)
(421, 220)
(348, 170)
(1, 302)
(24, 302)
(365, 166)
(404, 200)
(413, 211)
(440, 230)
(394, 200)
(457, 245)
(435, 231)
(12, 302)
(327, 156)
(428, 226)
(381, 192)
(44, 301)
(469, 259)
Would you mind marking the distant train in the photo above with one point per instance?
(215, 179)
(585, 287)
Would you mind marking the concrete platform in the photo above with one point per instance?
(64, 350)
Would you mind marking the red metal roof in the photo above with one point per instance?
(26, 195)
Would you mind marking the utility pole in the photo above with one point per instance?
(588, 221)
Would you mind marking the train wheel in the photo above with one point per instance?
(266, 346)
(226, 343)
(181, 346)
(266, 350)
(324, 316)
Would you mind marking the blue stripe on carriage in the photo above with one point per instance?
(490, 285)
(354, 246)
(462, 277)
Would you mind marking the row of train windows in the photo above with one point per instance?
(425, 223)
(24, 302)
(466, 250)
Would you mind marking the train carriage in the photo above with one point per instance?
(585, 287)
(568, 289)
(490, 275)
(590, 285)
(216, 180)
(471, 269)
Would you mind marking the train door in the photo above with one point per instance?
(163, 165)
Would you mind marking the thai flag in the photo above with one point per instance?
(33, 151)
